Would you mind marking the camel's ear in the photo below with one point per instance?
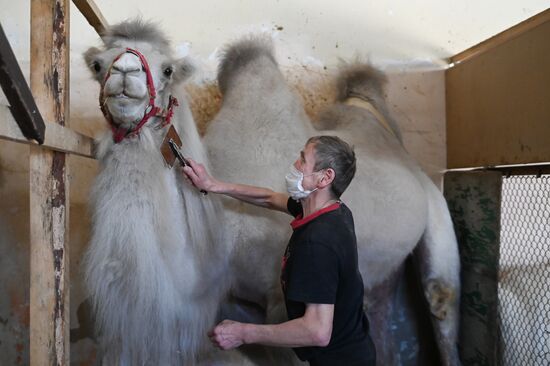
(184, 68)
(94, 62)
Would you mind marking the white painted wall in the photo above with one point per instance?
(393, 31)
(390, 31)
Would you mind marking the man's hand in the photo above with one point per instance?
(227, 335)
(198, 176)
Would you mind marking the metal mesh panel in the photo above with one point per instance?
(524, 273)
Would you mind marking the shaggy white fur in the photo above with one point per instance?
(156, 261)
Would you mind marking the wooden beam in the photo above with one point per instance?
(57, 137)
(93, 15)
(19, 95)
(49, 189)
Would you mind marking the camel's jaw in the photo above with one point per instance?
(125, 110)
(126, 100)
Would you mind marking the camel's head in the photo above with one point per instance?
(134, 64)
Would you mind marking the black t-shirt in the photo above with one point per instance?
(320, 267)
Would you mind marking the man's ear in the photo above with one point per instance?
(184, 68)
(328, 177)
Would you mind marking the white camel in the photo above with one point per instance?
(156, 260)
(255, 137)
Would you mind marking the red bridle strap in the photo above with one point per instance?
(152, 110)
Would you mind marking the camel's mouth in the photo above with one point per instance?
(125, 96)
(131, 90)
(125, 108)
(121, 95)
(122, 99)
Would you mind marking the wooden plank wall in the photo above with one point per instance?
(498, 99)
(49, 188)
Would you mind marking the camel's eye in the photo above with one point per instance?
(97, 66)
(168, 71)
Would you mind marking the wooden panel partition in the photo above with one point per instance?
(498, 99)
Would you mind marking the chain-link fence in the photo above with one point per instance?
(524, 273)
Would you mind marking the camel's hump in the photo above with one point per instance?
(359, 79)
(240, 53)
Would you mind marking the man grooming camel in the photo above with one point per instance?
(322, 286)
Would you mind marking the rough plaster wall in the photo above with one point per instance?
(14, 219)
(416, 99)
(14, 254)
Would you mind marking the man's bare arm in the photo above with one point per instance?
(259, 196)
(313, 329)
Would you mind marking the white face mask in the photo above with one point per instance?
(294, 186)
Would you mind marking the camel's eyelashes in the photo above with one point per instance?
(168, 71)
(97, 66)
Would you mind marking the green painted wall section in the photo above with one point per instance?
(474, 203)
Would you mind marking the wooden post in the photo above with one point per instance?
(49, 188)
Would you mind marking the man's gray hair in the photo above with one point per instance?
(333, 152)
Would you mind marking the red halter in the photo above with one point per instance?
(152, 110)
